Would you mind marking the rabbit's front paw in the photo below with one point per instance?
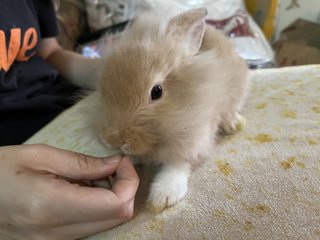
(167, 189)
(233, 124)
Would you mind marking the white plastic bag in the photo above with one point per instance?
(228, 15)
(232, 18)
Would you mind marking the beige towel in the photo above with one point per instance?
(263, 183)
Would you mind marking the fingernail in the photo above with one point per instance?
(112, 159)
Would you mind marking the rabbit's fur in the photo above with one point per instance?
(204, 83)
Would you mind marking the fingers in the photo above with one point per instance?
(83, 204)
(67, 163)
(76, 203)
(127, 180)
(43, 201)
(97, 204)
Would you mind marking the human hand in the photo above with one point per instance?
(41, 199)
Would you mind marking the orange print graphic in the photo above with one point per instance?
(8, 55)
(27, 45)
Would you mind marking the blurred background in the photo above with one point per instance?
(272, 33)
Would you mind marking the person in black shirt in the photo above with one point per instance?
(33, 69)
(44, 191)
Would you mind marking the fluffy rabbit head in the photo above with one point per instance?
(140, 90)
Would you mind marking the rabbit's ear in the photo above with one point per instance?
(189, 27)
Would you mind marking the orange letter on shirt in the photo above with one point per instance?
(7, 56)
(27, 45)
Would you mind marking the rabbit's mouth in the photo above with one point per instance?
(128, 143)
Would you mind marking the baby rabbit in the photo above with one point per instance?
(168, 87)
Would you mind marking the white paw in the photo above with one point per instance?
(168, 188)
(233, 125)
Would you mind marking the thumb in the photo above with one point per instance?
(69, 164)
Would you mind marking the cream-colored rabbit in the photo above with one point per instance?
(168, 86)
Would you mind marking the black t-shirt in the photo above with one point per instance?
(31, 91)
(23, 75)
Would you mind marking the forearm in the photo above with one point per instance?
(76, 68)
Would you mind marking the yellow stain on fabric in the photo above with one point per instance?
(301, 165)
(292, 139)
(263, 138)
(218, 213)
(279, 101)
(224, 167)
(289, 114)
(233, 151)
(259, 209)
(312, 142)
(157, 225)
(317, 193)
(290, 93)
(290, 162)
(249, 138)
(261, 105)
(248, 226)
(316, 109)
(229, 197)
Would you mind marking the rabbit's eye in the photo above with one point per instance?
(156, 92)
